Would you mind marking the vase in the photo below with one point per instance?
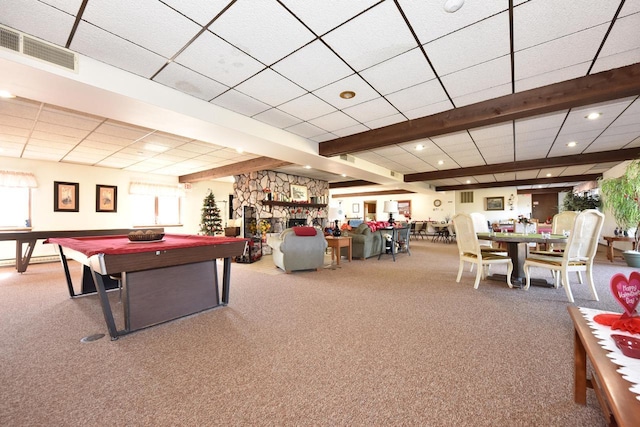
(336, 230)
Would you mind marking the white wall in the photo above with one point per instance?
(44, 218)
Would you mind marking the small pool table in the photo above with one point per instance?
(161, 280)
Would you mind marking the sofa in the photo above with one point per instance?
(298, 248)
(365, 243)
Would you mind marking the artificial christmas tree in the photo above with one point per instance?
(211, 223)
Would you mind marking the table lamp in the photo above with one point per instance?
(391, 207)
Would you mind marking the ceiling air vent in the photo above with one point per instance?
(10, 39)
(36, 48)
(48, 52)
(392, 173)
(347, 158)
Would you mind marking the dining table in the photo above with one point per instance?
(518, 250)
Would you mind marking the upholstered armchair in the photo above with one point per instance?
(364, 242)
(302, 251)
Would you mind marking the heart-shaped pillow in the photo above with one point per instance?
(626, 291)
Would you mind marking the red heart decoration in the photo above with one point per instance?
(627, 292)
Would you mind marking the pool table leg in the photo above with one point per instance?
(226, 279)
(106, 307)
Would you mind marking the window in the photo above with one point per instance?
(15, 194)
(20, 200)
(153, 204)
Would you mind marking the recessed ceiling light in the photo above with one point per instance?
(593, 116)
(419, 147)
(239, 150)
(344, 175)
(548, 175)
(468, 181)
(572, 144)
(6, 94)
(155, 148)
(441, 162)
(452, 5)
(307, 167)
(347, 94)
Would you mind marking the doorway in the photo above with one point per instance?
(544, 206)
(370, 210)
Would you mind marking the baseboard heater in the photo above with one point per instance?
(34, 260)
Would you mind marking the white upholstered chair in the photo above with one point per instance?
(561, 222)
(578, 254)
(469, 249)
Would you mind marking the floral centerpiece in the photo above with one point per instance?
(523, 220)
(267, 193)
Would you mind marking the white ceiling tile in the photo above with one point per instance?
(122, 130)
(87, 159)
(52, 137)
(371, 110)
(482, 77)
(61, 117)
(188, 81)
(470, 46)
(333, 121)
(373, 37)
(620, 49)
(265, 30)
(147, 23)
(400, 72)
(424, 94)
(430, 21)
(306, 130)
(16, 125)
(277, 118)
(551, 77)
(351, 130)
(240, 103)
(324, 137)
(307, 107)
(19, 108)
(213, 57)
(385, 121)
(37, 22)
(541, 21)
(428, 110)
(54, 129)
(106, 47)
(324, 16)
(313, 66)
(331, 93)
(201, 11)
(42, 155)
(270, 88)
(501, 130)
(483, 95)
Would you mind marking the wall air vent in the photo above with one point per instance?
(9, 39)
(36, 48)
(392, 173)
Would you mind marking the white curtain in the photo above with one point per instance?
(17, 179)
(147, 189)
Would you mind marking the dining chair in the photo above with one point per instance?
(415, 227)
(469, 250)
(480, 225)
(561, 222)
(578, 254)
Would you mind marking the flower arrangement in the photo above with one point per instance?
(523, 219)
(266, 190)
(264, 226)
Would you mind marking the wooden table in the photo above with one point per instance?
(611, 239)
(335, 243)
(161, 280)
(518, 250)
(612, 391)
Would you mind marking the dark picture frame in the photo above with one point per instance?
(65, 196)
(106, 198)
(494, 203)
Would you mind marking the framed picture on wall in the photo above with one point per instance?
(495, 203)
(404, 208)
(106, 198)
(65, 196)
(299, 193)
(355, 208)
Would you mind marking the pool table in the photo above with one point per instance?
(161, 280)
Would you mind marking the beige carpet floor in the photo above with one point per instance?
(369, 343)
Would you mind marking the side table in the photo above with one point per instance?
(335, 243)
(611, 239)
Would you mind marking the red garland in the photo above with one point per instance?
(617, 322)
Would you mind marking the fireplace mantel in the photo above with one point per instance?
(292, 204)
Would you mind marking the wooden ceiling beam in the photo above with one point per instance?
(600, 87)
(371, 193)
(515, 183)
(522, 165)
(552, 190)
(257, 164)
(348, 184)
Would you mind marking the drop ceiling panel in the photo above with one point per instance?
(201, 11)
(62, 118)
(385, 121)
(470, 46)
(479, 83)
(240, 103)
(321, 18)
(52, 137)
(188, 81)
(144, 22)
(331, 93)
(277, 118)
(213, 57)
(268, 31)
(313, 66)
(306, 130)
(43, 128)
(270, 88)
(334, 121)
(106, 47)
(307, 107)
(423, 95)
(373, 37)
(400, 72)
(620, 49)
(37, 21)
(371, 110)
(350, 130)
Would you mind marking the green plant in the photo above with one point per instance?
(576, 202)
(621, 197)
